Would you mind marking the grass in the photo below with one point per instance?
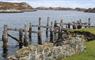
(91, 30)
(88, 54)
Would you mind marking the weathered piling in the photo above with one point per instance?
(89, 23)
(39, 33)
(20, 38)
(79, 24)
(5, 41)
(60, 30)
(30, 33)
(25, 42)
(69, 25)
(55, 23)
(55, 35)
(61, 25)
(47, 26)
(80, 21)
(51, 33)
(74, 25)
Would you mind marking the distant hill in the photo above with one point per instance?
(90, 10)
(53, 8)
(60, 8)
(15, 6)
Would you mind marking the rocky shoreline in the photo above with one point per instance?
(11, 11)
(48, 51)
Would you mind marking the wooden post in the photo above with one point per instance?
(55, 35)
(47, 28)
(5, 41)
(74, 25)
(61, 25)
(79, 24)
(30, 32)
(60, 30)
(66, 26)
(89, 22)
(69, 25)
(80, 21)
(25, 36)
(51, 33)
(20, 38)
(55, 23)
(39, 33)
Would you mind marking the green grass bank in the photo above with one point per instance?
(89, 53)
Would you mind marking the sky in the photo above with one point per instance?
(58, 3)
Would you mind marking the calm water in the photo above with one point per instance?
(19, 19)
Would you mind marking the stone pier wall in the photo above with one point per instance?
(47, 51)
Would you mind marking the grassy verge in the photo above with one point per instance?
(88, 54)
(91, 30)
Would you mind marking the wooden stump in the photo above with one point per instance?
(51, 33)
(39, 33)
(20, 38)
(25, 36)
(5, 41)
(30, 32)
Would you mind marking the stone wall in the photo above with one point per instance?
(47, 51)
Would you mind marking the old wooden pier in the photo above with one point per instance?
(25, 34)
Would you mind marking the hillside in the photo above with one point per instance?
(90, 10)
(15, 6)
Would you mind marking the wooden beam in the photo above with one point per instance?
(41, 26)
(15, 29)
(13, 38)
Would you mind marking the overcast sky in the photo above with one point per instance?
(58, 3)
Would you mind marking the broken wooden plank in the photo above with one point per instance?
(13, 38)
(41, 26)
(15, 29)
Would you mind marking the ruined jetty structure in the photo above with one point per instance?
(60, 42)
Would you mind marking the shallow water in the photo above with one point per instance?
(19, 19)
